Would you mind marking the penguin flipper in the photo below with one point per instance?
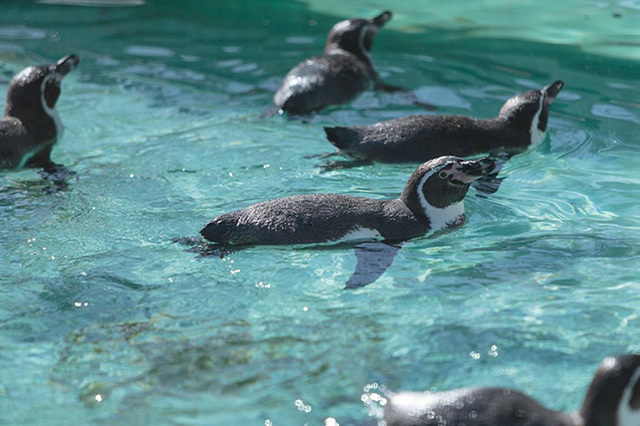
(325, 155)
(388, 88)
(372, 260)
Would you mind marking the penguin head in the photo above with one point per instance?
(38, 88)
(436, 189)
(356, 36)
(613, 398)
(529, 111)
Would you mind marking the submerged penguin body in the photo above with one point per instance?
(414, 138)
(343, 71)
(317, 218)
(432, 200)
(522, 123)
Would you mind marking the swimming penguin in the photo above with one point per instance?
(613, 399)
(344, 70)
(522, 123)
(31, 124)
(432, 200)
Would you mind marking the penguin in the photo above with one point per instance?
(343, 71)
(432, 200)
(613, 399)
(31, 125)
(521, 123)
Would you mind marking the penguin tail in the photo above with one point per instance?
(341, 137)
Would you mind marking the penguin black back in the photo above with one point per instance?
(344, 70)
(31, 124)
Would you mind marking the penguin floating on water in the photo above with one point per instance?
(521, 123)
(31, 124)
(343, 71)
(432, 200)
(613, 399)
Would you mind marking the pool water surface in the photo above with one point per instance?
(103, 319)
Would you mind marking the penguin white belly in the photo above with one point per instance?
(359, 233)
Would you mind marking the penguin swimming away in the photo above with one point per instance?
(613, 399)
(343, 71)
(31, 124)
(432, 200)
(522, 123)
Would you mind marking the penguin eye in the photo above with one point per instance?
(443, 175)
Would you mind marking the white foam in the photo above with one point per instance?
(626, 415)
(439, 218)
(537, 135)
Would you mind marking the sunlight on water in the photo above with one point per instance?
(104, 318)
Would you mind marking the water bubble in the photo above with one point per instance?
(302, 406)
(493, 351)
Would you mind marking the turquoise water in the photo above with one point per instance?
(104, 320)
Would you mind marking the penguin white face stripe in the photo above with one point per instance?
(51, 112)
(365, 52)
(537, 135)
(626, 415)
(439, 218)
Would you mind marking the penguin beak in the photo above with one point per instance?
(468, 171)
(382, 19)
(66, 64)
(552, 90)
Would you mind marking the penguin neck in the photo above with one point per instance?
(609, 404)
(438, 218)
(39, 119)
(537, 135)
(443, 218)
(504, 133)
(360, 54)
